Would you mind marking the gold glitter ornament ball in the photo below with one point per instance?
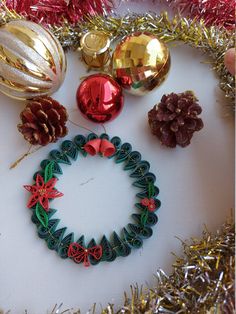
(140, 63)
(32, 61)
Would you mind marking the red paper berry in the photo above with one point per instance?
(145, 202)
(152, 205)
(149, 203)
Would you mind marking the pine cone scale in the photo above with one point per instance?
(52, 130)
(63, 115)
(44, 140)
(199, 124)
(53, 115)
(42, 116)
(34, 107)
(174, 126)
(191, 124)
(27, 126)
(28, 116)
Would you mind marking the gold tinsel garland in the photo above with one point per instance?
(211, 40)
(202, 281)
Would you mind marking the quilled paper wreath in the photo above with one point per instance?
(43, 191)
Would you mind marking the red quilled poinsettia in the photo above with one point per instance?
(149, 203)
(42, 192)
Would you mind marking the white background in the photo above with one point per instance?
(196, 188)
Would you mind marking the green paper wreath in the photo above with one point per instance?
(132, 236)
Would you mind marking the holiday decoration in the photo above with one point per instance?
(175, 119)
(202, 281)
(44, 190)
(140, 63)
(43, 121)
(51, 12)
(32, 61)
(80, 254)
(211, 40)
(213, 12)
(100, 98)
(102, 146)
(149, 203)
(95, 48)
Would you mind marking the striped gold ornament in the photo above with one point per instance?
(32, 61)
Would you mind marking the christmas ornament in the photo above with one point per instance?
(95, 48)
(102, 146)
(175, 119)
(211, 40)
(32, 61)
(140, 63)
(213, 12)
(43, 191)
(100, 98)
(43, 121)
(149, 203)
(80, 254)
(51, 12)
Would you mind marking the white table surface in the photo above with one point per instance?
(196, 188)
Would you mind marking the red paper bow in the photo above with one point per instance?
(80, 254)
(149, 203)
(42, 192)
(103, 146)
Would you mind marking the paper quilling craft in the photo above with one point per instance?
(76, 246)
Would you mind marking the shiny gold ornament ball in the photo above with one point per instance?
(140, 63)
(32, 61)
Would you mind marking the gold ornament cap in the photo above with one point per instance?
(95, 48)
(140, 63)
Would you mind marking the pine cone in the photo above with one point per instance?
(175, 119)
(43, 121)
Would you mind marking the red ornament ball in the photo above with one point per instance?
(100, 98)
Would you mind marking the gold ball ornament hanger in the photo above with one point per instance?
(140, 63)
(32, 61)
(95, 49)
